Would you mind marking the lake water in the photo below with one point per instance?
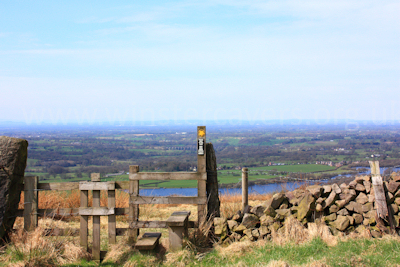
(254, 189)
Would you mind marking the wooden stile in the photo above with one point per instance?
(31, 211)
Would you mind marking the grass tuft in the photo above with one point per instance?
(34, 249)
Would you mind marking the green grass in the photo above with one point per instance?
(366, 252)
(296, 168)
(354, 252)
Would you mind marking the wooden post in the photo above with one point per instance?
(133, 208)
(84, 220)
(245, 187)
(31, 202)
(112, 227)
(213, 204)
(380, 197)
(201, 167)
(95, 177)
(382, 211)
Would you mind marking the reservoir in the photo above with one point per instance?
(254, 189)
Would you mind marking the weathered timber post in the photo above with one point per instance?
(245, 187)
(133, 208)
(30, 202)
(112, 226)
(95, 177)
(382, 211)
(213, 204)
(201, 167)
(380, 197)
(84, 219)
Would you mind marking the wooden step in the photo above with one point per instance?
(178, 218)
(148, 241)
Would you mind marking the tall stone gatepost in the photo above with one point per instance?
(13, 157)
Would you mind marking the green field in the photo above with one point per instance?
(296, 168)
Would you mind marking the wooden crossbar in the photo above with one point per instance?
(96, 185)
(168, 176)
(96, 211)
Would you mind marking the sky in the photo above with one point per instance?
(110, 61)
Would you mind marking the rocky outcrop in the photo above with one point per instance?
(344, 208)
(13, 156)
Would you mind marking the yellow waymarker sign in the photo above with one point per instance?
(202, 133)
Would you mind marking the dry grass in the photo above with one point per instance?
(293, 232)
(34, 249)
(230, 203)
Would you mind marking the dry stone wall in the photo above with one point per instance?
(343, 208)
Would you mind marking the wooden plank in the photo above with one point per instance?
(59, 186)
(201, 168)
(124, 185)
(178, 218)
(245, 188)
(96, 211)
(96, 220)
(133, 207)
(84, 221)
(31, 202)
(96, 185)
(168, 200)
(64, 212)
(62, 232)
(148, 241)
(380, 197)
(167, 176)
(111, 218)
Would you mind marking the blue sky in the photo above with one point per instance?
(85, 61)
